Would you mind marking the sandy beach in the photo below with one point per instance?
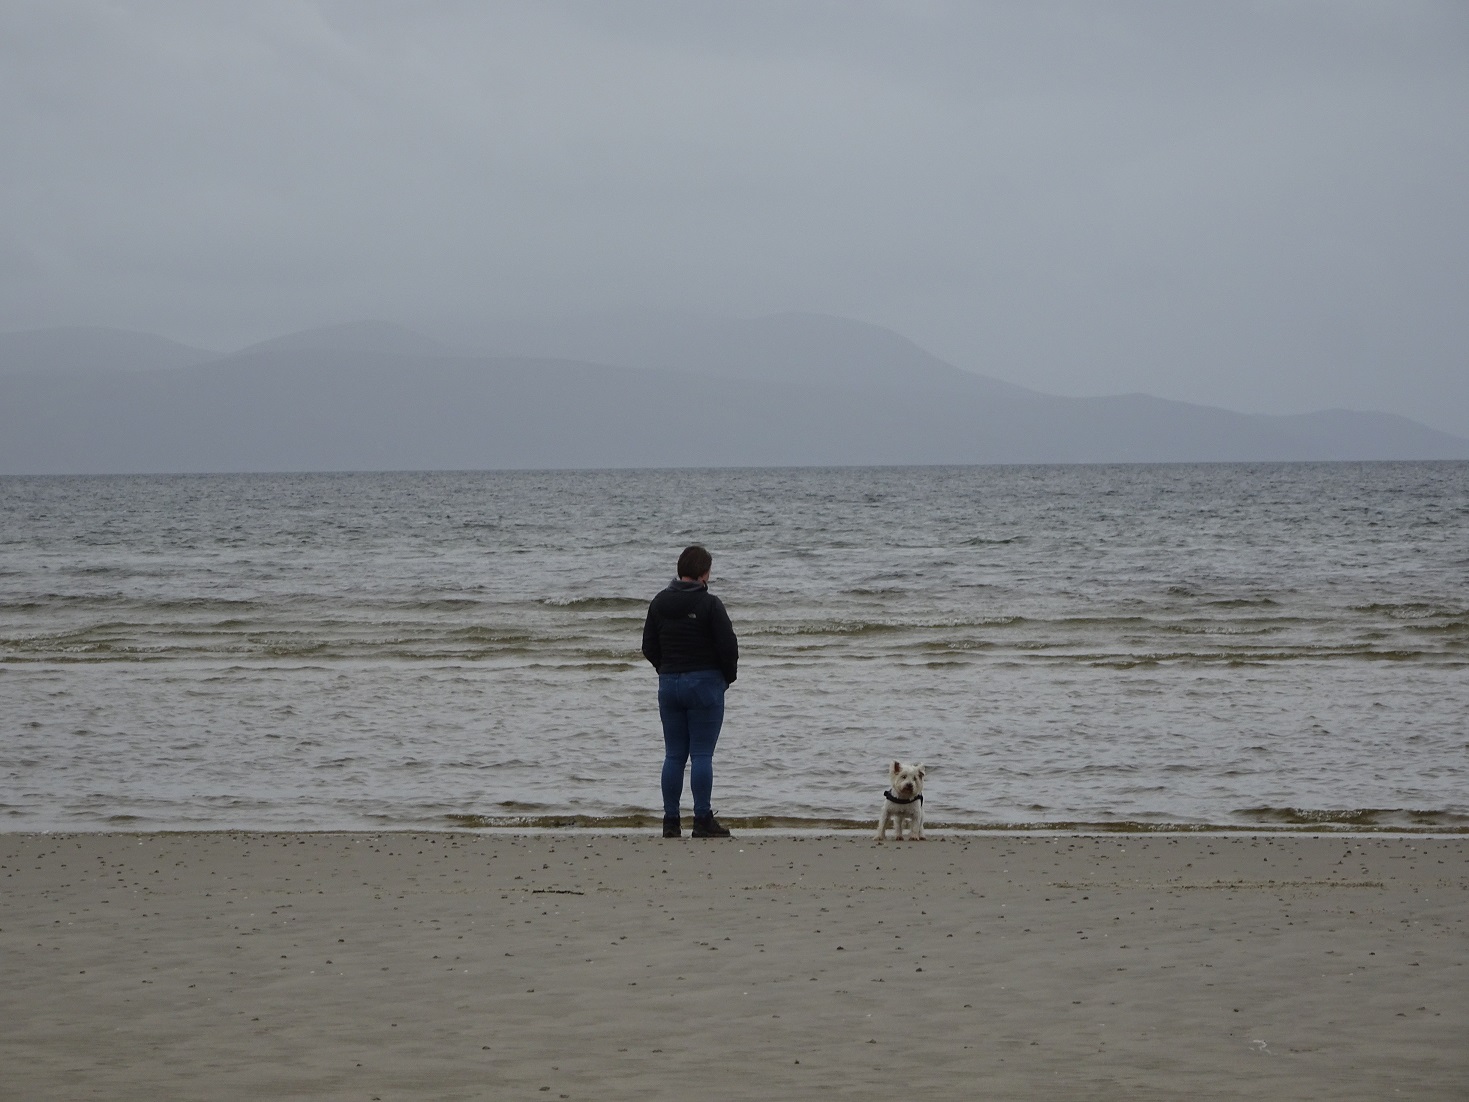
(623, 966)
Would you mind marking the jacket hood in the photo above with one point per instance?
(681, 597)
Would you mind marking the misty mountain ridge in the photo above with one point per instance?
(378, 337)
(95, 348)
(814, 349)
(787, 390)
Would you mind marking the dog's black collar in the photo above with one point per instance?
(918, 799)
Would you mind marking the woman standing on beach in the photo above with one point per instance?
(690, 642)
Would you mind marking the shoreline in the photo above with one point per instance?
(590, 964)
(775, 825)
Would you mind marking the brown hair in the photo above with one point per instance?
(694, 562)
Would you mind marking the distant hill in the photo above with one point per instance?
(356, 336)
(814, 349)
(94, 349)
(796, 390)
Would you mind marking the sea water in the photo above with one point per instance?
(1124, 645)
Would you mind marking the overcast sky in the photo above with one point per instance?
(1263, 206)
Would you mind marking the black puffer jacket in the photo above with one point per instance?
(687, 629)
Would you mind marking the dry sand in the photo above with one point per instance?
(602, 967)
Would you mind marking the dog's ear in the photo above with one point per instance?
(897, 767)
(920, 770)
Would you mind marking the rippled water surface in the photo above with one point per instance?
(1196, 644)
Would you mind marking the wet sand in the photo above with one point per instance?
(622, 966)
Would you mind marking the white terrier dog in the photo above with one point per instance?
(902, 803)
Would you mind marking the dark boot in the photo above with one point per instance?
(670, 827)
(707, 826)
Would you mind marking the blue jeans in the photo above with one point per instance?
(691, 706)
